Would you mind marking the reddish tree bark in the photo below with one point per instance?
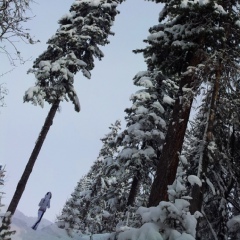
(169, 159)
(168, 162)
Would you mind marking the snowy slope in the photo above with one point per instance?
(46, 230)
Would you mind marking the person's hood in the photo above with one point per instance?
(48, 195)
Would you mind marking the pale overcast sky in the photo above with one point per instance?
(73, 142)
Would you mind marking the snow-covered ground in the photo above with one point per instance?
(46, 230)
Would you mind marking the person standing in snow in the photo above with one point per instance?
(43, 205)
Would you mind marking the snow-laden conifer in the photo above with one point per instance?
(195, 41)
(100, 217)
(139, 145)
(77, 41)
(86, 210)
(74, 208)
(213, 161)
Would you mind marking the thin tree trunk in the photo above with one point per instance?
(28, 169)
(169, 159)
(198, 191)
(134, 190)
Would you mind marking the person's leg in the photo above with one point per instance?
(40, 215)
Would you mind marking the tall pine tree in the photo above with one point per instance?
(82, 31)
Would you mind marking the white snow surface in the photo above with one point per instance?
(46, 230)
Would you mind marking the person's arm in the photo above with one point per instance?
(40, 204)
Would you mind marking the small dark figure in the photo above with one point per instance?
(43, 205)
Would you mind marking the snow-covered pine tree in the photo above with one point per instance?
(195, 41)
(214, 162)
(74, 211)
(140, 143)
(85, 210)
(178, 58)
(144, 135)
(82, 31)
(99, 217)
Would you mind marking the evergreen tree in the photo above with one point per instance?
(82, 31)
(100, 216)
(195, 41)
(212, 160)
(141, 142)
(86, 211)
(74, 211)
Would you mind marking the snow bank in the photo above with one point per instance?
(46, 230)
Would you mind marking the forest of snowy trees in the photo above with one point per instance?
(178, 177)
(173, 172)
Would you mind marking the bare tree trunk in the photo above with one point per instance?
(134, 189)
(28, 169)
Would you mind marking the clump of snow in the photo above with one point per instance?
(203, 2)
(183, 159)
(220, 9)
(197, 214)
(155, 36)
(194, 180)
(157, 105)
(209, 183)
(145, 82)
(187, 3)
(237, 23)
(168, 100)
(234, 223)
